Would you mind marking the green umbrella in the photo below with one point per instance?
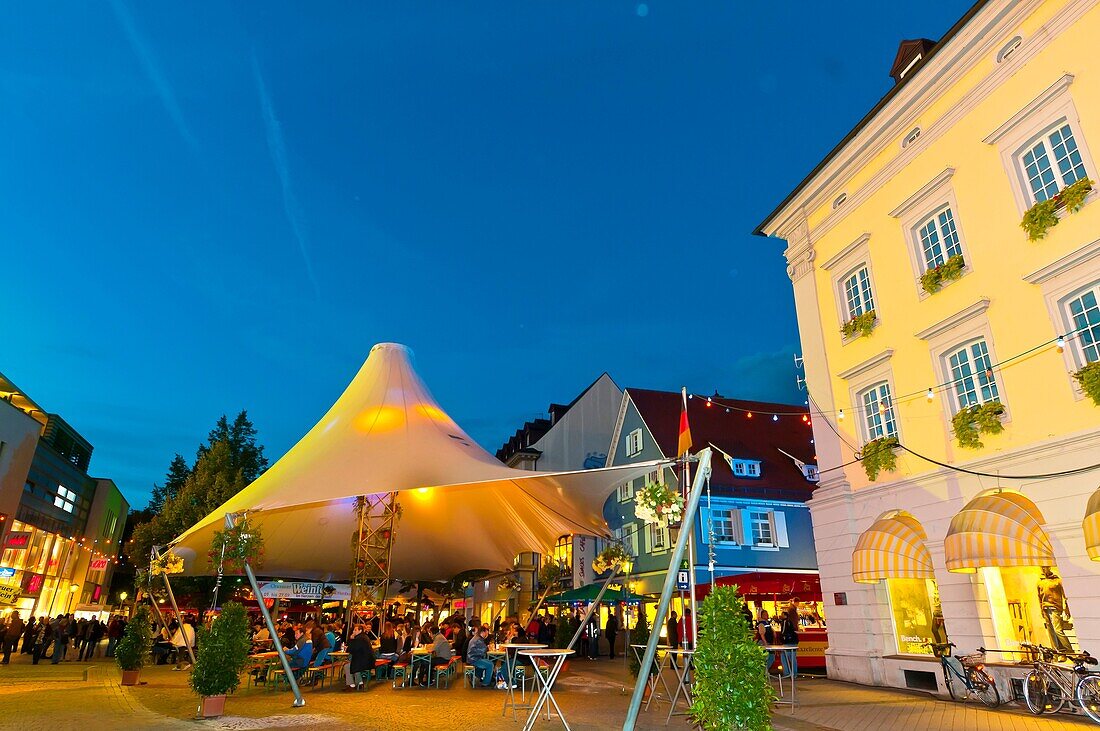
(588, 593)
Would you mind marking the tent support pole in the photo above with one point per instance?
(176, 609)
(299, 701)
(592, 607)
(666, 593)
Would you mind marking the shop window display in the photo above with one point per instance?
(918, 617)
(1028, 604)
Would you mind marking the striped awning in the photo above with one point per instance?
(1091, 526)
(997, 528)
(892, 548)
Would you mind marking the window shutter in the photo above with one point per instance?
(746, 528)
(647, 544)
(779, 523)
(705, 524)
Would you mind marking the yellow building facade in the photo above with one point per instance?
(919, 295)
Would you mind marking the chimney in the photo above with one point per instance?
(911, 54)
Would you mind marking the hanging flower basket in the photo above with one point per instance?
(973, 421)
(611, 557)
(658, 504)
(551, 574)
(167, 563)
(242, 543)
(509, 585)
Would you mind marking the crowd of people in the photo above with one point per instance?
(64, 638)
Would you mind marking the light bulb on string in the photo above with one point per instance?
(749, 415)
(775, 417)
(1060, 343)
(929, 394)
(882, 407)
(840, 415)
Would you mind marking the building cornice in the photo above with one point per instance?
(846, 251)
(1021, 116)
(958, 318)
(928, 189)
(872, 362)
(1060, 266)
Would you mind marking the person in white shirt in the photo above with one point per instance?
(183, 638)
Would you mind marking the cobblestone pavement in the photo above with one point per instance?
(593, 696)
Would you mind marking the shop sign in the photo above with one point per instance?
(97, 564)
(6, 572)
(315, 591)
(459, 604)
(96, 593)
(9, 594)
(18, 540)
(32, 584)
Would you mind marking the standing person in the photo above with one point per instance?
(42, 637)
(12, 633)
(60, 638)
(1052, 600)
(114, 634)
(611, 628)
(672, 635)
(592, 630)
(28, 637)
(689, 630)
(765, 635)
(789, 635)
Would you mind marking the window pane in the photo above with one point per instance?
(1066, 155)
(1039, 175)
(878, 412)
(1085, 314)
(918, 619)
(950, 234)
(930, 245)
(971, 371)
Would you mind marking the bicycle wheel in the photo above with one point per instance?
(985, 688)
(1035, 693)
(950, 685)
(1088, 695)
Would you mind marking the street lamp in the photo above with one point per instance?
(72, 593)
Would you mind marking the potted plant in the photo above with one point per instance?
(135, 645)
(1043, 216)
(659, 504)
(222, 656)
(935, 278)
(878, 455)
(639, 635)
(973, 421)
(731, 688)
(613, 556)
(1089, 378)
(859, 326)
(563, 633)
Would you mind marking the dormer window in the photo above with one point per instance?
(910, 138)
(810, 472)
(1008, 49)
(745, 467)
(839, 200)
(910, 55)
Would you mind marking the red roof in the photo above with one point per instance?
(734, 432)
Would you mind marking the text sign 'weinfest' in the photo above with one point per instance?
(315, 591)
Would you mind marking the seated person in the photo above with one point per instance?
(477, 652)
(360, 658)
(387, 644)
(300, 655)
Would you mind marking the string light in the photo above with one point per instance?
(929, 395)
(750, 414)
(840, 415)
(1060, 343)
(882, 406)
(775, 417)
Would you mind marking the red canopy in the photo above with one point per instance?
(762, 585)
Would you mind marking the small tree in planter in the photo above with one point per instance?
(135, 645)
(639, 636)
(564, 632)
(731, 679)
(222, 656)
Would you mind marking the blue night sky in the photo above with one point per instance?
(212, 206)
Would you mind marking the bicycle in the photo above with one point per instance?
(970, 671)
(1050, 686)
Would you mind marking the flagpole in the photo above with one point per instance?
(691, 631)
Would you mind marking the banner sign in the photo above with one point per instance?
(97, 564)
(32, 584)
(315, 591)
(18, 540)
(9, 594)
(6, 573)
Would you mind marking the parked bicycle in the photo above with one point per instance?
(965, 675)
(1051, 685)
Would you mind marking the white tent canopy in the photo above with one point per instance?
(461, 508)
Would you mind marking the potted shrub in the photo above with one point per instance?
(222, 656)
(1089, 378)
(859, 326)
(135, 645)
(973, 421)
(878, 455)
(731, 688)
(639, 635)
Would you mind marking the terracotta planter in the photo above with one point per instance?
(130, 677)
(212, 706)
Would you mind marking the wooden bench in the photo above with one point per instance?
(400, 670)
(446, 671)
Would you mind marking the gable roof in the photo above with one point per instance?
(757, 438)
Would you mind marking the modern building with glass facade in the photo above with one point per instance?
(939, 328)
(61, 528)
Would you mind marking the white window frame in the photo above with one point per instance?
(750, 469)
(976, 376)
(733, 517)
(757, 518)
(842, 266)
(656, 533)
(1043, 113)
(1075, 342)
(916, 210)
(861, 378)
(626, 491)
(628, 536)
(65, 499)
(864, 292)
(890, 416)
(811, 471)
(634, 443)
(1058, 282)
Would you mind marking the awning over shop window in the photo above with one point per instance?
(1092, 526)
(892, 548)
(997, 528)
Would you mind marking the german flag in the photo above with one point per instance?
(683, 444)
